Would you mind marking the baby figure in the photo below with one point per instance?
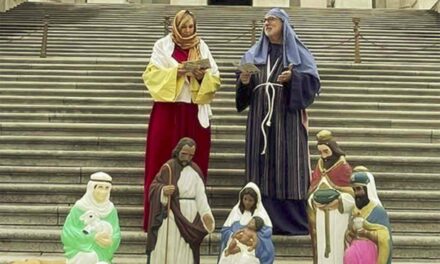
(245, 239)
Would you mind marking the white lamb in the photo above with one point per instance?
(93, 224)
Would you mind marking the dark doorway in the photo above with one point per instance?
(230, 2)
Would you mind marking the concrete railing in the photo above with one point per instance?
(436, 7)
(5, 5)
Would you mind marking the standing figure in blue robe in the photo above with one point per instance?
(277, 153)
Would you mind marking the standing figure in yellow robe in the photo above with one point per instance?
(182, 97)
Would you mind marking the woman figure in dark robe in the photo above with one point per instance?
(277, 154)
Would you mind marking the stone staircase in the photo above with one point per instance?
(84, 108)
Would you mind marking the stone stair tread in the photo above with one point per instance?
(216, 155)
(139, 63)
(141, 139)
(317, 106)
(118, 189)
(53, 233)
(422, 214)
(338, 131)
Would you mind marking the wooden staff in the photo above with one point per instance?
(327, 233)
(168, 215)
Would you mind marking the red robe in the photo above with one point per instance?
(169, 122)
(339, 174)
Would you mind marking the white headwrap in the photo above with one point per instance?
(87, 202)
(371, 188)
(244, 218)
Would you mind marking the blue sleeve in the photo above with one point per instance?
(265, 251)
(379, 216)
(302, 91)
(243, 93)
(226, 232)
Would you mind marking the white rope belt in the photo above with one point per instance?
(269, 89)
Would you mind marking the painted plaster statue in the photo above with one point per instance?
(330, 201)
(91, 233)
(180, 216)
(241, 248)
(248, 207)
(368, 235)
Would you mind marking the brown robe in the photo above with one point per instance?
(193, 233)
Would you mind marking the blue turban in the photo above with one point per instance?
(294, 51)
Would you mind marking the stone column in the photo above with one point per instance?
(106, 1)
(437, 7)
(381, 4)
(272, 3)
(426, 4)
(189, 2)
(314, 3)
(353, 4)
(295, 3)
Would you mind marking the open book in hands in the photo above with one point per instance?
(202, 64)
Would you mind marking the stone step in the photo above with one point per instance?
(227, 73)
(138, 114)
(226, 94)
(391, 199)
(48, 241)
(375, 106)
(224, 197)
(335, 72)
(375, 57)
(216, 177)
(130, 217)
(369, 119)
(218, 131)
(227, 77)
(380, 90)
(218, 47)
(328, 96)
(68, 158)
(106, 144)
(302, 24)
(325, 96)
(228, 83)
(121, 175)
(364, 121)
(94, 88)
(236, 43)
(77, 174)
(92, 64)
(218, 108)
